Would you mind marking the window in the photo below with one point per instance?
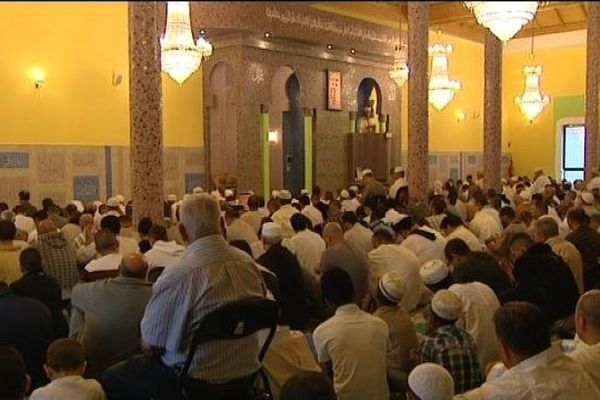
(573, 156)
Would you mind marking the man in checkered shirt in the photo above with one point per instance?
(449, 346)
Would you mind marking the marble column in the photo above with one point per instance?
(492, 112)
(591, 87)
(418, 107)
(145, 111)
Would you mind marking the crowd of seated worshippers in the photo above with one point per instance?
(471, 293)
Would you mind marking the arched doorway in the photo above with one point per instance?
(287, 120)
(293, 138)
(369, 106)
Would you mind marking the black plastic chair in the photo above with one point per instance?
(154, 273)
(234, 321)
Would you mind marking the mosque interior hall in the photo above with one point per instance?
(287, 95)
(300, 200)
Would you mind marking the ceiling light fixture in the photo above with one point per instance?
(399, 72)
(180, 56)
(441, 88)
(532, 102)
(503, 18)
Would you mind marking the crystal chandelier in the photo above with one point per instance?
(532, 102)
(399, 71)
(180, 56)
(441, 88)
(503, 18)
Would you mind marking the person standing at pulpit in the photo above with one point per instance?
(368, 121)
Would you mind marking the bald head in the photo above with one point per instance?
(587, 317)
(46, 226)
(133, 266)
(333, 234)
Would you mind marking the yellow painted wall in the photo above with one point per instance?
(563, 74)
(445, 132)
(78, 46)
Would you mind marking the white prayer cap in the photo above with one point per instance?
(197, 190)
(445, 304)
(228, 193)
(432, 382)
(433, 272)
(393, 217)
(271, 230)
(366, 171)
(503, 181)
(392, 286)
(353, 188)
(514, 179)
(304, 191)
(285, 195)
(172, 197)
(344, 193)
(587, 198)
(538, 170)
(295, 201)
(112, 202)
(275, 194)
(398, 170)
(120, 198)
(78, 204)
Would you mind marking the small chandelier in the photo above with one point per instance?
(532, 102)
(399, 71)
(441, 88)
(503, 18)
(180, 56)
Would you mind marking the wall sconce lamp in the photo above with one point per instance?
(460, 116)
(39, 78)
(273, 137)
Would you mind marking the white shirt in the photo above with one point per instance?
(241, 230)
(394, 257)
(127, 245)
(163, 254)
(308, 248)
(356, 344)
(108, 262)
(282, 217)
(253, 218)
(70, 387)
(492, 213)
(466, 236)
(484, 226)
(549, 375)
(479, 305)
(350, 204)
(425, 249)
(540, 184)
(360, 236)
(24, 223)
(313, 213)
(588, 356)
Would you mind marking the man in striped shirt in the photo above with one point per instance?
(209, 274)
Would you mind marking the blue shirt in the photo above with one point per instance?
(209, 274)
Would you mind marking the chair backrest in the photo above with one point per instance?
(154, 273)
(233, 321)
